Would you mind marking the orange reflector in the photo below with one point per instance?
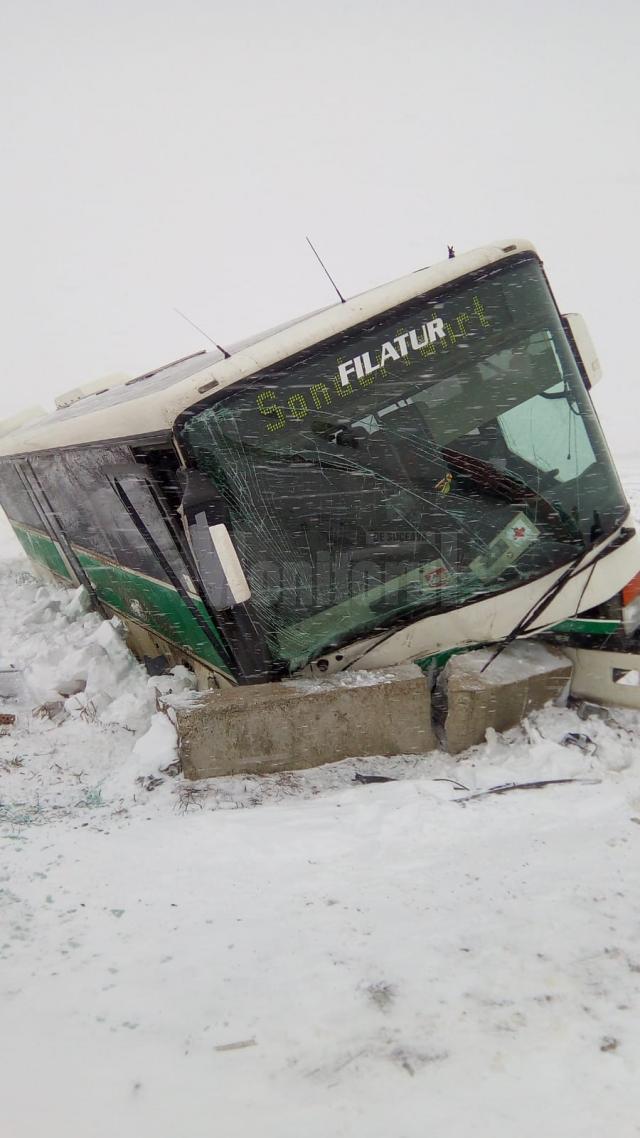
(631, 590)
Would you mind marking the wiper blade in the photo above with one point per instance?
(545, 600)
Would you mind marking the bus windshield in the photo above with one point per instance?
(440, 453)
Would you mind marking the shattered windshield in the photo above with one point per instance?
(438, 454)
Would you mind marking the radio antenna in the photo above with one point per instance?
(314, 250)
(226, 354)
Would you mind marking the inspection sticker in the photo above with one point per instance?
(505, 548)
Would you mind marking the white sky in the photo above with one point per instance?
(165, 153)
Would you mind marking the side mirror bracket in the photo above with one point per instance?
(583, 347)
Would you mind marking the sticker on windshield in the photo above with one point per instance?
(506, 548)
(436, 575)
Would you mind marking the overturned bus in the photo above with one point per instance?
(412, 472)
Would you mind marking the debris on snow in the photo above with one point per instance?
(578, 739)
(539, 784)
(369, 778)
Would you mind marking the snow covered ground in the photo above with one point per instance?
(303, 955)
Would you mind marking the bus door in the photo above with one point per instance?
(155, 513)
(136, 487)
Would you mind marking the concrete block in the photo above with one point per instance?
(525, 676)
(298, 724)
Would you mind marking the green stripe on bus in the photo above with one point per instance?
(39, 547)
(154, 604)
(440, 658)
(585, 625)
(150, 603)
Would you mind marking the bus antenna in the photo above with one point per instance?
(314, 250)
(226, 354)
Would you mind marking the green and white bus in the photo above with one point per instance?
(413, 471)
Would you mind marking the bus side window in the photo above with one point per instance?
(90, 512)
(15, 500)
(68, 497)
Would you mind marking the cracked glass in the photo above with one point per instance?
(438, 454)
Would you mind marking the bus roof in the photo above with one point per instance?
(149, 404)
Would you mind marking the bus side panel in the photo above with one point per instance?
(40, 549)
(152, 603)
(29, 525)
(120, 566)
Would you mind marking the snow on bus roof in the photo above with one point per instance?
(150, 403)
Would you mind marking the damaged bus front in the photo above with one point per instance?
(413, 472)
(431, 477)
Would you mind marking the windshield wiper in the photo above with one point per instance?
(546, 599)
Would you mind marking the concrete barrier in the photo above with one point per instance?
(300, 724)
(525, 676)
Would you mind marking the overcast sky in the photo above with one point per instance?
(175, 153)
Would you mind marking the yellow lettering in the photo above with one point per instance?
(298, 406)
(280, 419)
(320, 392)
(463, 323)
(480, 312)
(342, 390)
